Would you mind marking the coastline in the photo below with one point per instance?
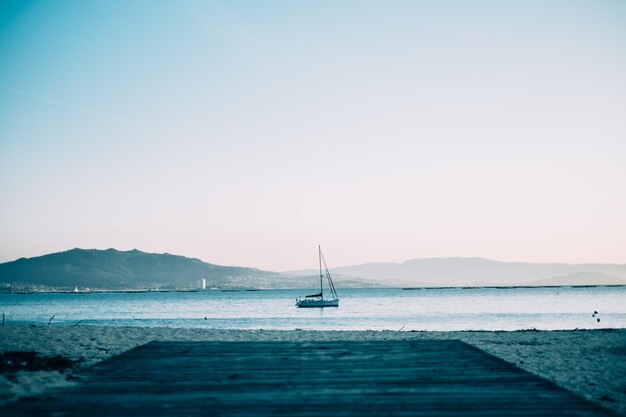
(66, 290)
(591, 363)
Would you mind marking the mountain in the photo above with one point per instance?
(447, 272)
(113, 269)
(581, 278)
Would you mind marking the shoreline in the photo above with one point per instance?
(66, 290)
(591, 363)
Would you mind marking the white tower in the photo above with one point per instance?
(203, 284)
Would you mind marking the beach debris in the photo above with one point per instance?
(14, 361)
(608, 398)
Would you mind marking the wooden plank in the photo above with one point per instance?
(341, 378)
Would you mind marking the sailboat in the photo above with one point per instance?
(317, 300)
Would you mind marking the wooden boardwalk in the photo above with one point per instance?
(341, 378)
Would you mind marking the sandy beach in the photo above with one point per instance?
(590, 363)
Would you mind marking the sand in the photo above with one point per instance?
(591, 363)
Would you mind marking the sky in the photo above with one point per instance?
(247, 133)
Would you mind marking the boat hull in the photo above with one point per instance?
(317, 303)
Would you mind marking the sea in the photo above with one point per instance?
(444, 309)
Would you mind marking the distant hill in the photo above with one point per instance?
(479, 271)
(113, 269)
(91, 268)
(581, 278)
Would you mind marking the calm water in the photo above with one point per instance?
(360, 309)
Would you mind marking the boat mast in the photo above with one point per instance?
(319, 249)
(331, 285)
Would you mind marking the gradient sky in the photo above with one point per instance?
(247, 132)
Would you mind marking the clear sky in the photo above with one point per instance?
(247, 132)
